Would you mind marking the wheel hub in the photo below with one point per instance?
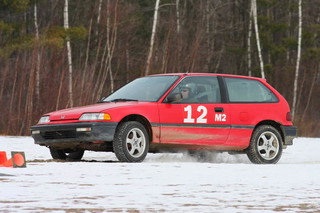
(268, 145)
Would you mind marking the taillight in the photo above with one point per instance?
(289, 117)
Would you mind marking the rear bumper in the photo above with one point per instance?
(74, 132)
(289, 133)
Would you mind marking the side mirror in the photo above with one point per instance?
(174, 97)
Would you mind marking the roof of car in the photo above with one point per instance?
(213, 74)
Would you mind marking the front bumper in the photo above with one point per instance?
(289, 133)
(73, 132)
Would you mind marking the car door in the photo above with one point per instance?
(200, 118)
(250, 102)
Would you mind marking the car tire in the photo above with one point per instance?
(60, 154)
(265, 145)
(131, 142)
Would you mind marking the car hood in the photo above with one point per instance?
(76, 112)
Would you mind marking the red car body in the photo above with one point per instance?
(218, 124)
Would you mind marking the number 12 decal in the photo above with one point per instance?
(201, 119)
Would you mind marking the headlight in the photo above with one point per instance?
(44, 119)
(94, 116)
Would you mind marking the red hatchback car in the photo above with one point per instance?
(193, 111)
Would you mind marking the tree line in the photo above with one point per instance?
(63, 53)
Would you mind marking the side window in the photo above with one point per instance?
(248, 91)
(197, 89)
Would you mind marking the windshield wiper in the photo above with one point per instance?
(122, 100)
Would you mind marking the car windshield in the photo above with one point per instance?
(149, 88)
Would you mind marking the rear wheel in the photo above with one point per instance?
(61, 154)
(131, 142)
(265, 145)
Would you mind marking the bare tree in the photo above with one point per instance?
(255, 20)
(178, 16)
(99, 16)
(178, 43)
(295, 86)
(66, 27)
(34, 77)
(106, 65)
(38, 53)
(207, 67)
(310, 93)
(84, 72)
(154, 28)
(288, 34)
(249, 43)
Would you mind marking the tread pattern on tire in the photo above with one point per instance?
(119, 142)
(252, 151)
(59, 154)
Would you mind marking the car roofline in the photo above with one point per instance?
(212, 74)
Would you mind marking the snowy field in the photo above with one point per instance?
(162, 183)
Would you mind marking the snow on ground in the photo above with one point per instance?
(162, 183)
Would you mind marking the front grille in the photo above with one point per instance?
(59, 134)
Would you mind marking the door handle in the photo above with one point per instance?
(218, 109)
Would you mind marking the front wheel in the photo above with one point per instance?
(131, 142)
(61, 154)
(265, 145)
